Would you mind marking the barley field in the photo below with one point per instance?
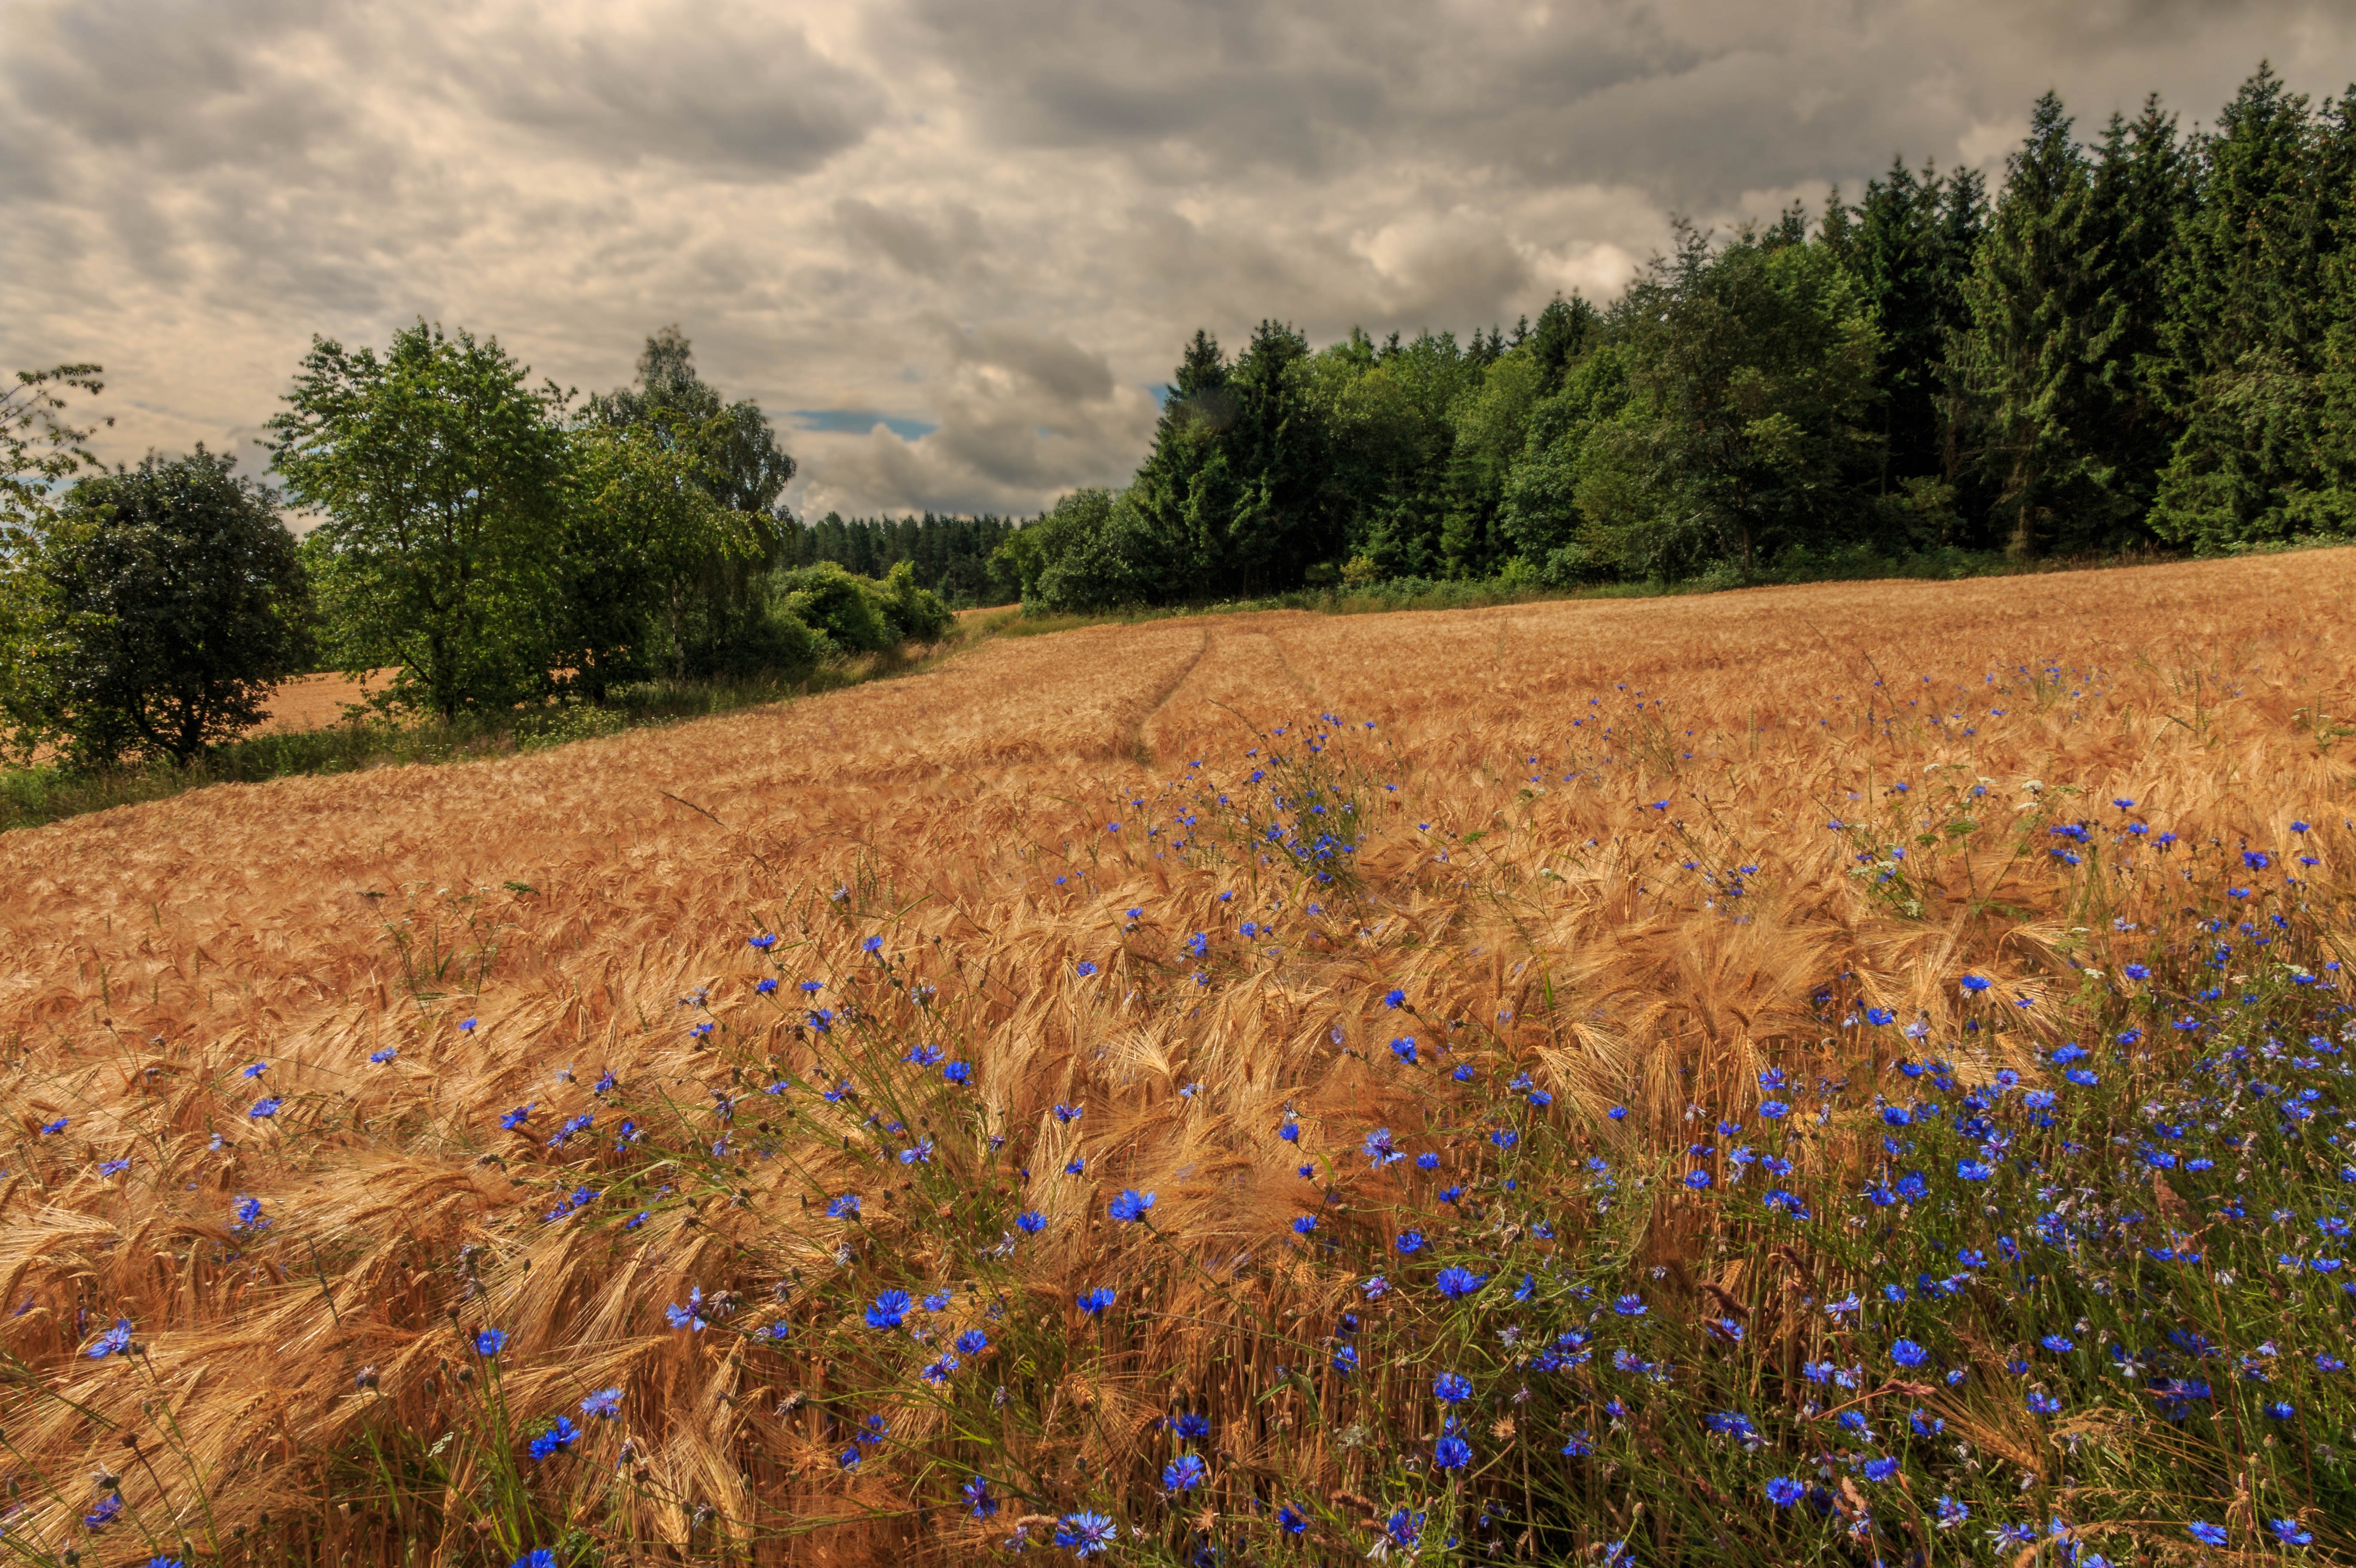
(1849, 1073)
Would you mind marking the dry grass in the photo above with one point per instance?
(569, 899)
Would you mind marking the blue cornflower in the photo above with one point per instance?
(114, 1167)
(1907, 1353)
(1291, 1520)
(1451, 1388)
(1094, 1301)
(1404, 1528)
(1404, 1048)
(1784, 1491)
(977, 1492)
(1084, 968)
(1085, 1534)
(1130, 1205)
(958, 1072)
(1394, 998)
(1629, 1306)
(1451, 1453)
(972, 1343)
(249, 1214)
(762, 942)
(1183, 1473)
(115, 1341)
(516, 1117)
(843, 1208)
(1410, 1241)
(265, 1108)
(1030, 1221)
(1303, 1223)
(606, 1405)
(560, 1437)
(2288, 1531)
(872, 944)
(1880, 1469)
(384, 1055)
(2207, 1534)
(1973, 1170)
(888, 1309)
(1454, 1282)
(1697, 1179)
(1975, 984)
(490, 1342)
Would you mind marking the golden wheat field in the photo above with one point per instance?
(1539, 778)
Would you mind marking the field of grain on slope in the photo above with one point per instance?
(1544, 780)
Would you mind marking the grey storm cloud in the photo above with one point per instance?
(993, 225)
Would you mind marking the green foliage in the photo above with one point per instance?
(1749, 370)
(914, 614)
(2251, 319)
(849, 612)
(1232, 498)
(2150, 341)
(714, 612)
(2040, 340)
(642, 540)
(181, 606)
(40, 450)
(958, 558)
(1028, 553)
(438, 474)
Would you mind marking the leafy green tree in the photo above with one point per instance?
(639, 531)
(1390, 413)
(844, 607)
(1030, 551)
(2252, 317)
(732, 452)
(1750, 371)
(40, 450)
(915, 615)
(183, 606)
(1490, 425)
(439, 478)
(1539, 513)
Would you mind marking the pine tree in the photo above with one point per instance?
(2142, 181)
(2034, 352)
(2250, 316)
(1910, 248)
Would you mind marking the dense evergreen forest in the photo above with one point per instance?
(2143, 340)
(949, 556)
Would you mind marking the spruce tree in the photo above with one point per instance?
(2249, 320)
(2142, 182)
(2038, 340)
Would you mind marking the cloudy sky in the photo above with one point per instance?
(954, 245)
